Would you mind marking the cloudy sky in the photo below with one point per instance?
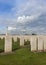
(23, 16)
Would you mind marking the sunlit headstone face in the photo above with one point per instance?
(8, 44)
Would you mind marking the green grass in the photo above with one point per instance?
(22, 56)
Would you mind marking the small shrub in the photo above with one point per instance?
(2, 42)
(26, 42)
(15, 45)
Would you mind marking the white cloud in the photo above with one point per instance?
(23, 30)
(24, 12)
(31, 7)
(24, 19)
(11, 28)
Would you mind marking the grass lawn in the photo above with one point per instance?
(23, 56)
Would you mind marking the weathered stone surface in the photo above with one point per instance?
(45, 43)
(15, 38)
(37, 42)
(40, 44)
(27, 38)
(8, 44)
(21, 40)
(33, 43)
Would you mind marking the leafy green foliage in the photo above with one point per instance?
(15, 45)
(26, 42)
(2, 41)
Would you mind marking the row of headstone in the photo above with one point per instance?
(38, 43)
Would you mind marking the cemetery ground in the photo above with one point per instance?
(21, 55)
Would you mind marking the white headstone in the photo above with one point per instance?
(45, 43)
(40, 44)
(21, 40)
(15, 38)
(8, 44)
(27, 38)
(33, 43)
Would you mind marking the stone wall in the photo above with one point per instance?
(37, 42)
